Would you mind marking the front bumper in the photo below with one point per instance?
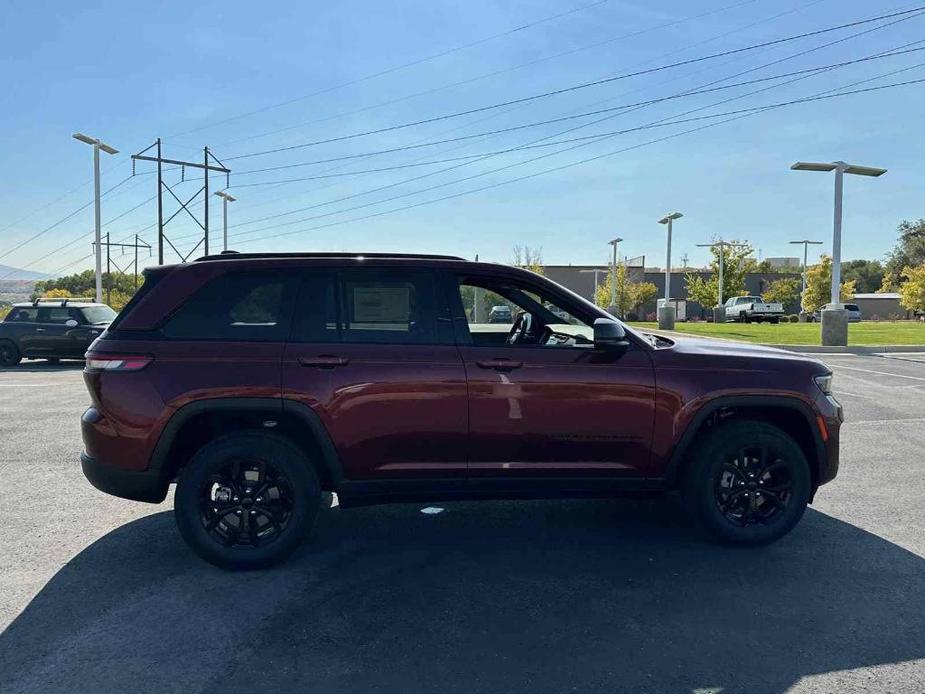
(144, 485)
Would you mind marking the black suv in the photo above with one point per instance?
(52, 329)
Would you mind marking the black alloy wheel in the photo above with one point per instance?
(754, 487)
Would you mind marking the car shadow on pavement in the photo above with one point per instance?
(536, 596)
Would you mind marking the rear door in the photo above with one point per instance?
(372, 353)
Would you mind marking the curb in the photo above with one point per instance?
(851, 349)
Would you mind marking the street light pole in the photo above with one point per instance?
(97, 146)
(806, 243)
(613, 309)
(835, 325)
(666, 313)
(597, 282)
(226, 198)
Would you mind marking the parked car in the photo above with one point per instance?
(853, 311)
(500, 314)
(51, 329)
(752, 308)
(256, 382)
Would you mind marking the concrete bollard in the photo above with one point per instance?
(666, 317)
(719, 314)
(834, 326)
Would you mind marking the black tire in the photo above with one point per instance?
(274, 528)
(9, 353)
(743, 317)
(726, 491)
(774, 321)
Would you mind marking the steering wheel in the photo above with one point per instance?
(521, 328)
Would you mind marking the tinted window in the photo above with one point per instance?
(97, 314)
(852, 307)
(236, 306)
(24, 315)
(54, 315)
(316, 316)
(388, 307)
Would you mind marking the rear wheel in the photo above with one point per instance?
(743, 317)
(246, 500)
(9, 353)
(747, 483)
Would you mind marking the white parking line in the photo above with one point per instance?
(882, 373)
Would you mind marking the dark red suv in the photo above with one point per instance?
(256, 382)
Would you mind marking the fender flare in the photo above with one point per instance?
(768, 401)
(305, 414)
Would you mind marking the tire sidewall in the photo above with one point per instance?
(272, 448)
(721, 444)
(14, 353)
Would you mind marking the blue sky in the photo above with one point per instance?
(248, 77)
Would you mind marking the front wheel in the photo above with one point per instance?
(9, 353)
(747, 483)
(246, 500)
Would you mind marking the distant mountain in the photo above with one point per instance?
(14, 273)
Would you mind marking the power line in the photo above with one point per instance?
(62, 220)
(539, 173)
(496, 73)
(576, 87)
(403, 66)
(532, 143)
(534, 124)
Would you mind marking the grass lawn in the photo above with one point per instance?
(864, 333)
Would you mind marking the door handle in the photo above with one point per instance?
(499, 364)
(324, 361)
(40, 330)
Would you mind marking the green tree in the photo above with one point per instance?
(785, 291)
(736, 264)
(630, 295)
(909, 251)
(912, 290)
(819, 286)
(867, 274)
(119, 286)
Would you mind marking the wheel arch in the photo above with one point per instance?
(790, 414)
(198, 422)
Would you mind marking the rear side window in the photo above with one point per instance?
(389, 307)
(24, 315)
(316, 315)
(54, 315)
(236, 306)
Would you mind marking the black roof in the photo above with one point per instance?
(234, 255)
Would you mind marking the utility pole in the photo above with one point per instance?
(834, 317)
(206, 167)
(806, 244)
(109, 261)
(613, 309)
(666, 312)
(719, 311)
(226, 198)
(97, 146)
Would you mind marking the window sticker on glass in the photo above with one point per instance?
(381, 304)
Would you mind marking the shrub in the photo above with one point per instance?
(651, 317)
(632, 316)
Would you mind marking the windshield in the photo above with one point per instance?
(98, 314)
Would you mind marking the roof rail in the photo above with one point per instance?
(62, 300)
(235, 255)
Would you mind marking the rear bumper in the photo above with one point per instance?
(129, 484)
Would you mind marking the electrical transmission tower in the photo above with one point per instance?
(110, 262)
(206, 167)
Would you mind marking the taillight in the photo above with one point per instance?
(117, 362)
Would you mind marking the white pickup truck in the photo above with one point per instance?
(751, 308)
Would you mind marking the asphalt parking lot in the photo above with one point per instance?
(99, 594)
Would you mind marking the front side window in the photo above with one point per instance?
(509, 313)
(236, 306)
(96, 314)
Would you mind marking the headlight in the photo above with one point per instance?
(824, 382)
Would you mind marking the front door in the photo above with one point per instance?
(542, 401)
(372, 353)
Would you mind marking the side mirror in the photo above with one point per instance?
(609, 334)
(70, 323)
